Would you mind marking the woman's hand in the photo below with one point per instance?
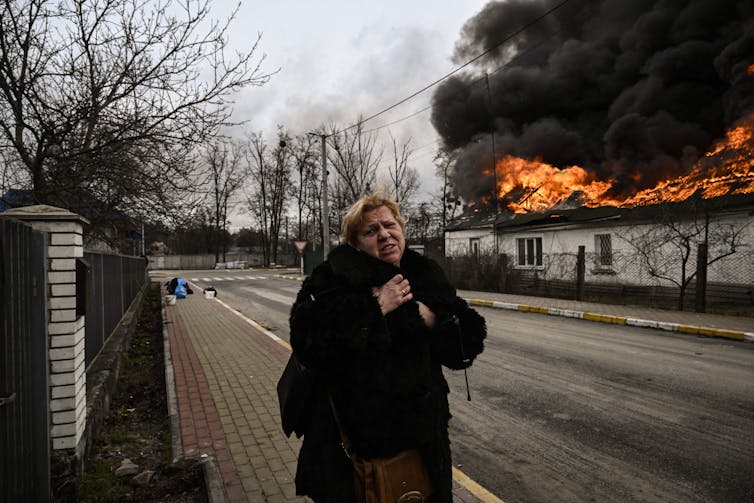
(393, 294)
(427, 315)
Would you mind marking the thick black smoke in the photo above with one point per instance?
(633, 91)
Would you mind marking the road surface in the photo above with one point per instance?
(572, 411)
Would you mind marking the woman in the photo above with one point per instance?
(374, 323)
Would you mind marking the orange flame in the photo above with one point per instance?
(531, 185)
(540, 186)
(728, 168)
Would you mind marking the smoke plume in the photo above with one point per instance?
(632, 91)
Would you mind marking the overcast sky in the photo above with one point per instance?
(342, 58)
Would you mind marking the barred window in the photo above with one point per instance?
(529, 252)
(603, 247)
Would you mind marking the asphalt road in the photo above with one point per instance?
(573, 411)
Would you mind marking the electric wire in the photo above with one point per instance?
(469, 84)
(458, 69)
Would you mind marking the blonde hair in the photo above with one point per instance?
(355, 216)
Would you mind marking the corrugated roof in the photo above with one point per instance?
(639, 213)
(583, 214)
(471, 221)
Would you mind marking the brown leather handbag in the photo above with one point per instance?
(402, 478)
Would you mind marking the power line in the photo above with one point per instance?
(448, 98)
(458, 69)
(397, 121)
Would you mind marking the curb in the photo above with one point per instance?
(618, 320)
(213, 481)
(603, 318)
(172, 399)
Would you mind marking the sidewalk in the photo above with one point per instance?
(225, 370)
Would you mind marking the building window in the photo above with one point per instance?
(474, 247)
(603, 248)
(529, 252)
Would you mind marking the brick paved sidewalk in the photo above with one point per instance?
(226, 372)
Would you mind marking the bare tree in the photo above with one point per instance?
(418, 227)
(226, 174)
(354, 161)
(666, 248)
(270, 171)
(256, 158)
(444, 204)
(304, 191)
(280, 180)
(101, 102)
(450, 203)
(404, 180)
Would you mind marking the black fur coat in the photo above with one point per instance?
(383, 372)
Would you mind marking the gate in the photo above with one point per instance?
(24, 409)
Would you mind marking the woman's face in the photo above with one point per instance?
(381, 236)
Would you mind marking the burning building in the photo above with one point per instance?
(600, 107)
(601, 103)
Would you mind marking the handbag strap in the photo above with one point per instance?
(345, 442)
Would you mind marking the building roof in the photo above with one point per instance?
(508, 221)
(472, 220)
(15, 198)
(585, 215)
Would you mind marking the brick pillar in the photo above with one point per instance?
(65, 331)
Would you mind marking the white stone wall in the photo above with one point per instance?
(67, 379)
(627, 266)
(457, 243)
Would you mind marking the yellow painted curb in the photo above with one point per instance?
(712, 332)
(605, 318)
(474, 488)
(620, 320)
(533, 309)
(479, 302)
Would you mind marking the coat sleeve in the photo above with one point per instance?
(333, 327)
(459, 335)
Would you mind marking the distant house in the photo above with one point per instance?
(647, 245)
(114, 232)
(471, 234)
(16, 198)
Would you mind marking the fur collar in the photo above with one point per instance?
(360, 269)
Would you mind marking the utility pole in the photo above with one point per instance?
(494, 154)
(494, 165)
(325, 204)
(325, 207)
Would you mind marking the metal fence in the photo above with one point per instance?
(24, 405)
(207, 261)
(628, 281)
(114, 281)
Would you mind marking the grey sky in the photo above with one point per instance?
(341, 58)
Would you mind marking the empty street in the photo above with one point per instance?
(574, 411)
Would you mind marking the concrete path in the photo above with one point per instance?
(224, 369)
